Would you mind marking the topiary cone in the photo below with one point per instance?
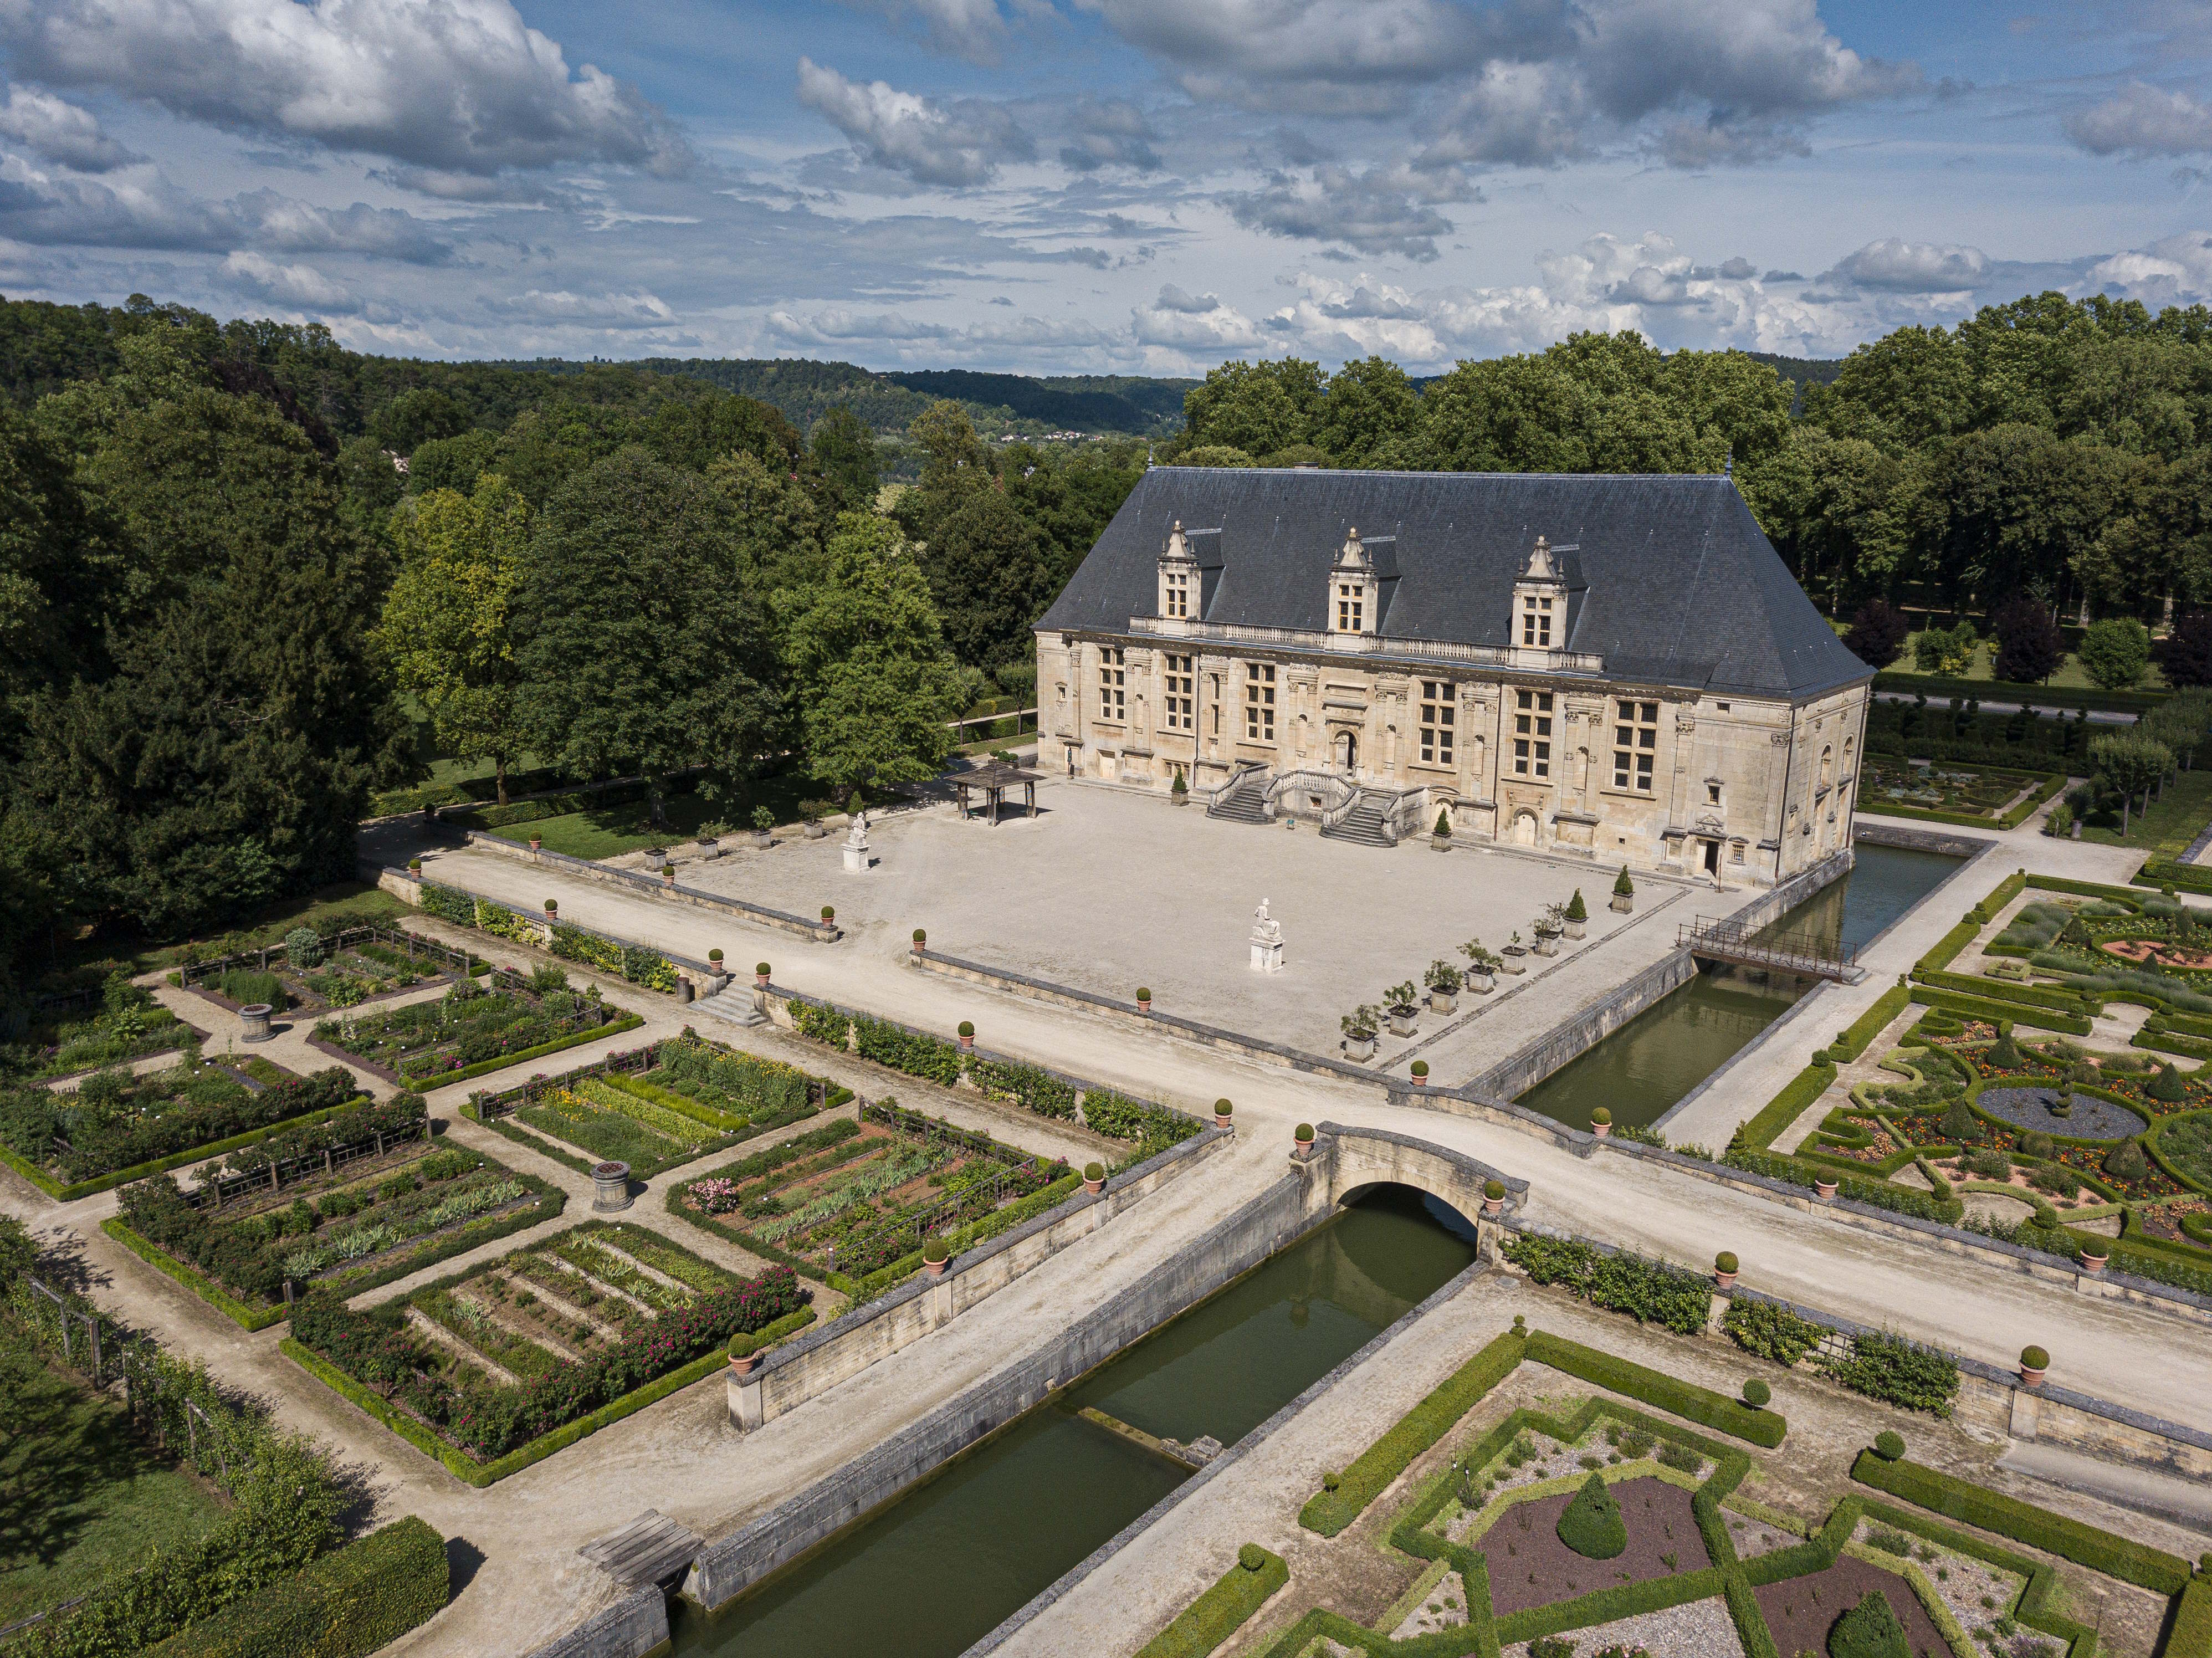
(1868, 1630)
(1591, 1524)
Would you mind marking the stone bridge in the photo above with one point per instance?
(1347, 1162)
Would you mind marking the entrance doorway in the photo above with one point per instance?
(1347, 751)
(1712, 858)
(1524, 829)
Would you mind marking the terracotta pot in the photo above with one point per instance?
(1220, 1121)
(1093, 1187)
(1827, 1188)
(1145, 1006)
(1494, 1205)
(537, 844)
(2032, 1378)
(760, 981)
(967, 1044)
(2093, 1263)
(1724, 1280)
(935, 1269)
(1600, 1129)
(742, 1368)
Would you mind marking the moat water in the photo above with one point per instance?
(1653, 1061)
(932, 1572)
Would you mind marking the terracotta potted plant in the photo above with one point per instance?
(1222, 1109)
(1404, 1006)
(1420, 1073)
(1443, 981)
(1094, 1177)
(537, 843)
(1624, 893)
(2034, 1365)
(1725, 1270)
(415, 867)
(921, 941)
(936, 1255)
(1601, 1122)
(1143, 1001)
(1576, 916)
(967, 1033)
(2094, 1255)
(1824, 1186)
(1359, 1026)
(760, 975)
(829, 917)
(1493, 1197)
(1303, 1139)
(714, 962)
(668, 875)
(552, 909)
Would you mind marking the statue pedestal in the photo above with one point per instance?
(1267, 955)
(857, 859)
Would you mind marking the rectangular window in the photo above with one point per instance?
(1259, 701)
(1351, 604)
(1179, 702)
(1178, 594)
(1635, 741)
(1438, 723)
(1532, 728)
(1113, 675)
(1536, 622)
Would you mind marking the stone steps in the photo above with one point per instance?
(1363, 826)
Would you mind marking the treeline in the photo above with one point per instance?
(224, 607)
(2047, 449)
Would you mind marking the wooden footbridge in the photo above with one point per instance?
(1724, 940)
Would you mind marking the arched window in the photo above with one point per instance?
(1827, 765)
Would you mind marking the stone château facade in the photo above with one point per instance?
(1618, 667)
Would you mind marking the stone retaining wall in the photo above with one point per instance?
(655, 887)
(1234, 1246)
(631, 1628)
(817, 1361)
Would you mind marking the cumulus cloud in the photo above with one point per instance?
(2142, 121)
(1109, 132)
(65, 210)
(1199, 325)
(462, 85)
(1897, 266)
(973, 29)
(2177, 270)
(61, 132)
(931, 142)
(301, 285)
(1374, 212)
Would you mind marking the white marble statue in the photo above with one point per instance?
(1266, 941)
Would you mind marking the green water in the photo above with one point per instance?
(1641, 1070)
(930, 1574)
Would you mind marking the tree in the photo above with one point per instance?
(874, 684)
(845, 449)
(2180, 722)
(640, 638)
(2128, 765)
(2115, 651)
(414, 418)
(986, 578)
(2030, 646)
(446, 629)
(1878, 633)
(1258, 408)
(2184, 655)
(1370, 415)
(1591, 1524)
(1868, 1630)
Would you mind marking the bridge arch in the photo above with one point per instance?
(1350, 1162)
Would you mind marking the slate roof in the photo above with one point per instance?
(1676, 584)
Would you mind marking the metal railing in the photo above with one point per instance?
(1310, 639)
(224, 1188)
(1792, 952)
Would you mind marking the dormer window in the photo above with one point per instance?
(1355, 591)
(1540, 600)
(1536, 622)
(1351, 608)
(1176, 593)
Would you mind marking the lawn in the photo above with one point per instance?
(2173, 820)
(2070, 674)
(82, 1497)
(328, 910)
(695, 1100)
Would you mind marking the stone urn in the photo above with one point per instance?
(255, 1016)
(1622, 903)
(1402, 1019)
(1360, 1049)
(1442, 1001)
(1516, 959)
(610, 1186)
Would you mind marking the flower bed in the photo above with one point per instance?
(130, 1025)
(113, 1125)
(484, 1363)
(853, 1197)
(373, 1220)
(470, 1030)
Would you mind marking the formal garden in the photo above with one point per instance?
(343, 1205)
(474, 1029)
(1635, 1522)
(148, 1510)
(653, 1108)
(310, 971)
(2000, 1109)
(1950, 791)
(119, 1022)
(116, 1126)
(492, 1368)
(856, 1203)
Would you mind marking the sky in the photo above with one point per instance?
(1100, 186)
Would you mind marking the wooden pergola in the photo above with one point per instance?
(995, 780)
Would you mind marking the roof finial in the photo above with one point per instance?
(1728, 466)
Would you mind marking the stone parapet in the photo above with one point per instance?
(653, 886)
(632, 1627)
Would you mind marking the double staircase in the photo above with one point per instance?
(1365, 824)
(1244, 801)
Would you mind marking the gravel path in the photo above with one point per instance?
(1701, 1629)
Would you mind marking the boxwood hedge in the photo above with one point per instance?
(347, 1604)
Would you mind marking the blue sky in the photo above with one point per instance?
(1101, 186)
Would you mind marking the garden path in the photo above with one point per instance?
(143, 1068)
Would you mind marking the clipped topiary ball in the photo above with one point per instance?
(1756, 1393)
(1601, 1115)
(762, 968)
(1493, 1189)
(1591, 1524)
(1868, 1630)
(1252, 1556)
(1330, 1480)
(1725, 1261)
(2034, 1359)
(1304, 1133)
(1223, 1108)
(1889, 1445)
(1094, 1171)
(967, 1027)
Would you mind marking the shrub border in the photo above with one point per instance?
(69, 1193)
(1221, 1611)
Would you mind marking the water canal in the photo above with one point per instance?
(1655, 1059)
(932, 1572)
